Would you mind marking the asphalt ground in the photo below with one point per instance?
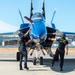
(9, 65)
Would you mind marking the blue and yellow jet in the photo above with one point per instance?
(40, 32)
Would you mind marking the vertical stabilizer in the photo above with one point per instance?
(21, 16)
(53, 15)
(53, 25)
(43, 9)
(31, 9)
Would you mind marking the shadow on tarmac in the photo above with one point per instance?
(69, 65)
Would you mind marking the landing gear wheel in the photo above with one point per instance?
(41, 60)
(18, 56)
(34, 61)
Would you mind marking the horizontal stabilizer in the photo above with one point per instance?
(53, 25)
(24, 26)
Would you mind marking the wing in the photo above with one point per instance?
(69, 33)
(11, 36)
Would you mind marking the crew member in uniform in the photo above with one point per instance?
(24, 40)
(60, 51)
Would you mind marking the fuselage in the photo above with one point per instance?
(38, 29)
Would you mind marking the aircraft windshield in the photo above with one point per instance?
(37, 16)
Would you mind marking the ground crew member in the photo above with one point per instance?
(60, 50)
(22, 49)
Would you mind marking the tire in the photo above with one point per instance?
(41, 60)
(18, 56)
(34, 61)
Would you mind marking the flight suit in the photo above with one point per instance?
(23, 51)
(60, 51)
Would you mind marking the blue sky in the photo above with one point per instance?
(64, 18)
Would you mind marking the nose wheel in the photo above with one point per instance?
(18, 56)
(34, 61)
(41, 60)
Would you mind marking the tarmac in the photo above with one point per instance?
(9, 66)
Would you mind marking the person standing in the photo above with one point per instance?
(22, 48)
(60, 51)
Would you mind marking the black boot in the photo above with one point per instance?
(61, 69)
(21, 68)
(26, 68)
(52, 65)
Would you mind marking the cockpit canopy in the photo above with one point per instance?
(37, 16)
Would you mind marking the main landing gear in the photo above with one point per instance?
(18, 56)
(38, 60)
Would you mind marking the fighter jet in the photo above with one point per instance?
(39, 32)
